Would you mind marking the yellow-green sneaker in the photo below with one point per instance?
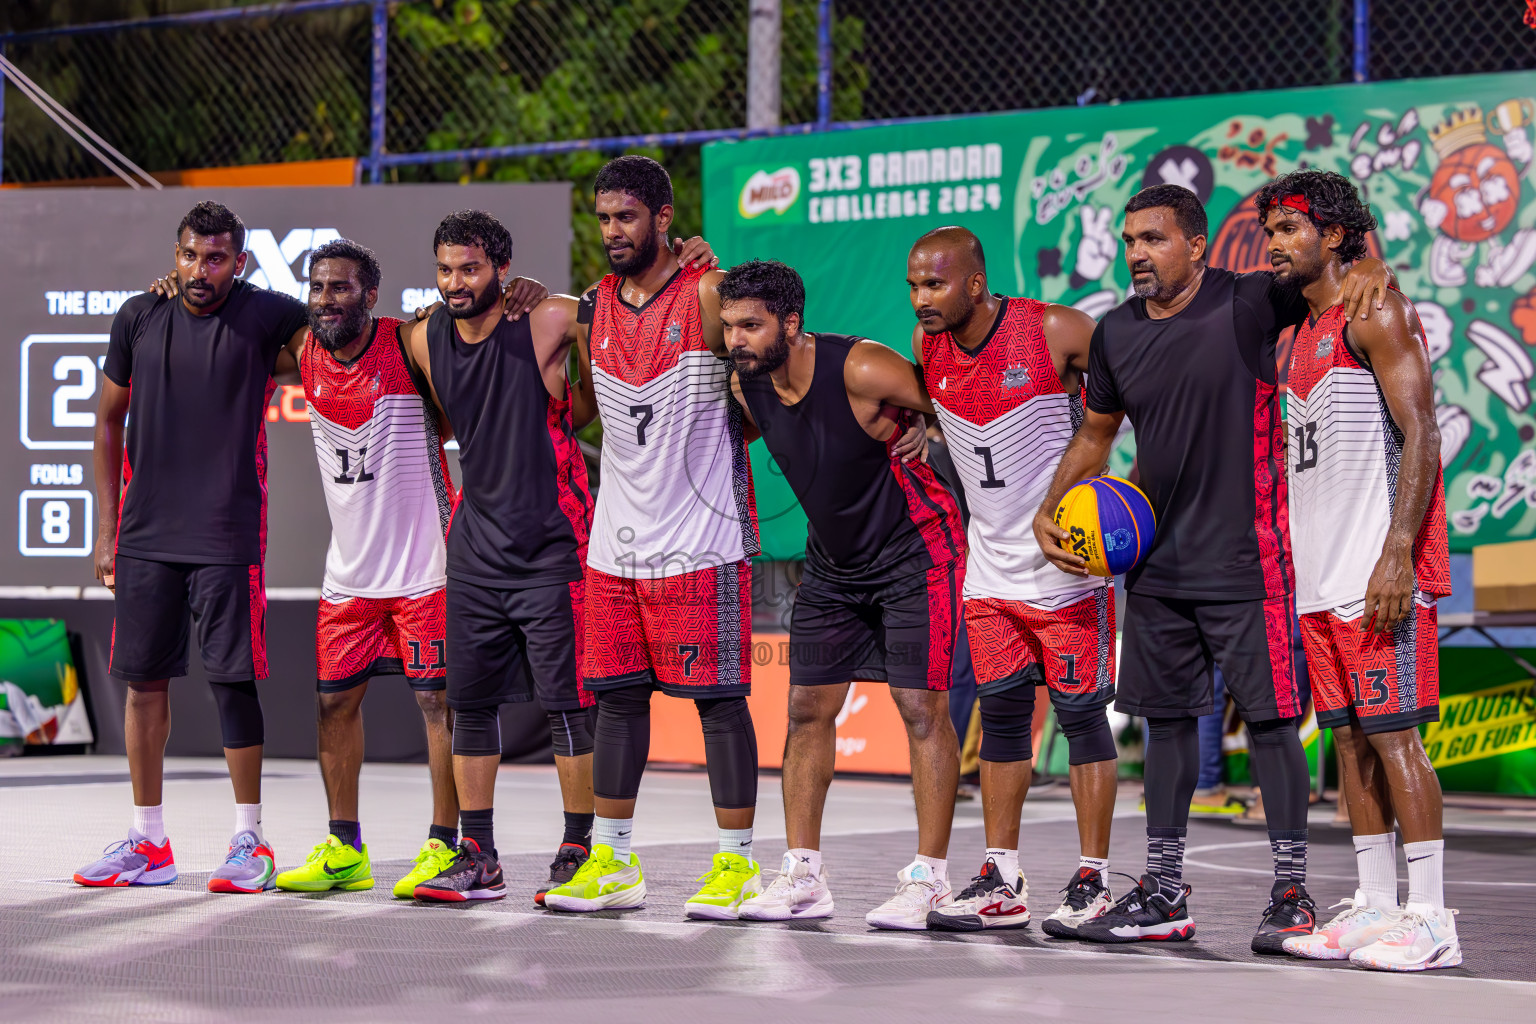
(331, 865)
(603, 883)
(431, 860)
(732, 879)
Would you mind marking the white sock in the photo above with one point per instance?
(1426, 872)
(1007, 862)
(150, 822)
(248, 819)
(1099, 864)
(939, 867)
(614, 832)
(1376, 861)
(811, 858)
(736, 840)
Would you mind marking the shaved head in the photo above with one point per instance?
(960, 244)
(947, 278)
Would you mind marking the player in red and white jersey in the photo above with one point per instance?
(1005, 375)
(668, 582)
(379, 447)
(1367, 517)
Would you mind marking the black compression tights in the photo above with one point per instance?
(1171, 770)
(623, 741)
(1280, 770)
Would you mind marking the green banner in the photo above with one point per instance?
(40, 698)
(1444, 163)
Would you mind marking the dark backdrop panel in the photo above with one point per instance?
(392, 723)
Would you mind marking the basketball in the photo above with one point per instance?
(1110, 522)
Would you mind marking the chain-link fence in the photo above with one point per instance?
(485, 81)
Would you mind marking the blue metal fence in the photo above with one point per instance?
(1342, 27)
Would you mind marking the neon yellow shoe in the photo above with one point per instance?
(603, 883)
(331, 865)
(733, 878)
(431, 860)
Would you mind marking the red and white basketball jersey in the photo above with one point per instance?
(1343, 457)
(676, 490)
(383, 469)
(1007, 421)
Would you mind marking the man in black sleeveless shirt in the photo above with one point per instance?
(884, 564)
(515, 541)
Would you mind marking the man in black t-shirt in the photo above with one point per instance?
(183, 527)
(1191, 360)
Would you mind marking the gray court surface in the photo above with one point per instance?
(179, 953)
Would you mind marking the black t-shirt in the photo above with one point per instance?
(196, 444)
(1200, 389)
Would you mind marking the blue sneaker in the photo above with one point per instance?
(131, 861)
(249, 866)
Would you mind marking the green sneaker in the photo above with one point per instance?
(331, 865)
(733, 878)
(603, 883)
(431, 860)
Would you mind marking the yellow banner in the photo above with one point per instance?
(1483, 723)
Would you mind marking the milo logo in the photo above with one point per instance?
(764, 191)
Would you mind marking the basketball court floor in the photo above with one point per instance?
(182, 954)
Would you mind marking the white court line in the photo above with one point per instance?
(694, 929)
(1310, 874)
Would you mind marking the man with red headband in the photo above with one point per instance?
(1367, 510)
(1190, 359)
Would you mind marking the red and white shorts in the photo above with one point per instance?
(1071, 649)
(1382, 683)
(357, 638)
(688, 635)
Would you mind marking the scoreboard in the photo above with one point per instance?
(72, 256)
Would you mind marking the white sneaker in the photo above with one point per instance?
(1087, 897)
(918, 894)
(1421, 940)
(1355, 927)
(988, 902)
(795, 894)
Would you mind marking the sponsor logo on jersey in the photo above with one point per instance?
(765, 190)
(1324, 346)
(1016, 377)
(674, 333)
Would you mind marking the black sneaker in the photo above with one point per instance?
(473, 875)
(989, 901)
(1143, 914)
(1086, 897)
(1290, 912)
(562, 869)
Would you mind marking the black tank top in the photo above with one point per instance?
(861, 524)
(524, 511)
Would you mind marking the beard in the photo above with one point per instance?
(753, 367)
(202, 299)
(1298, 273)
(640, 257)
(340, 333)
(478, 304)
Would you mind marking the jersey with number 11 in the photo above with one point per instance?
(1007, 421)
(382, 468)
(676, 493)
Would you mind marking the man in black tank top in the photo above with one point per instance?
(884, 565)
(515, 542)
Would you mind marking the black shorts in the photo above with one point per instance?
(507, 646)
(1171, 644)
(158, 601)
(900, 632)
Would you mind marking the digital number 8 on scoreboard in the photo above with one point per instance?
(55, 523)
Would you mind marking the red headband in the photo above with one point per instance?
(1296, 201)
